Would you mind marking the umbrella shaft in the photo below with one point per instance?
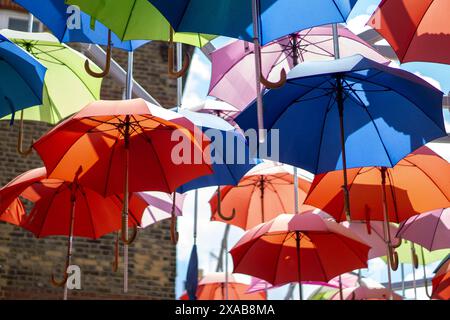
(129, 84)
(299, 272)
(262, 187)
(337, 54)
(258, 69)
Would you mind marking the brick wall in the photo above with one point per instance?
(26, 263)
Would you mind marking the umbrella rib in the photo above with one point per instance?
(279, 197)
(394, 197)
(108, 172)
(125, 29)
(90, 212)
(288, 234)
(435, 230)
(339, 10)
(320, 261)
(325, 116)
(48, 208)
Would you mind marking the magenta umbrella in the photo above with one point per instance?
(431, 230)
(233, 66)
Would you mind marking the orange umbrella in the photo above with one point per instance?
(126, 146)
(214, 286)
(298, 247)
(261, 195)
(416, 30)
(67, 209)
(14, 213)
(441, 281)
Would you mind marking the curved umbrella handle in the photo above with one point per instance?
(274, 85)
(20, 149)
(59, 284)
(115, 264)
(105, 72)
(170, 57)
(131, 239)
(393, 257)
(415, 259)
(229, 218)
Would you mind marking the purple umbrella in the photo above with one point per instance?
(233, 66)
(431, 230)
(160, 207)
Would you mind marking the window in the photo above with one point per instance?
(20, 24)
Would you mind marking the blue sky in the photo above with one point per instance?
(210, 233)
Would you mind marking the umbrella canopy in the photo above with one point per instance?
(99, 136)
(417, 184)
(22, 79)
(264, 193)
(441, 281)
(431, 230)
(214, 286)
(368, 290)
(218, 108)
(57, 16)
(300, 247)
(405, 254)
(160, 206)
(230, 156)
(136, 20)
(67, 87)
(95, 215)
(233, 66)
(377, 114)
(416, 30)
(14, 213)
(374, 238)
(276, 16)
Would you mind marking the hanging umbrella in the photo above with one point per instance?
(298, 247)
(441, 281)
(260, 21)
(65, 23)
(264, 193)
(430, 230)
(22, 79)
(67, 209)
(233, 66)
(342, 118)
(125, 146)
(137, 20)
(217, 108)
(416, 30)
(367, 290)
(213, 287)
(67, 88)
(14, 213)
(160, 205)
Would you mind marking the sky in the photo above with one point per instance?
(210, 233)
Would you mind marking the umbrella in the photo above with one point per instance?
(430, 230)
(67, 209)
(65, 69)
(264, 193)
(137, 20)
(213, 287)
(22, 79)
(260, 21)
(367, 290)
(160, 206)
(218, 108)
(441, 281)
(14, 214)
(342, 118)
(125, 146)
(233, 65)
(298, 247)
(416, 30)
(71, 25)
(230, 158)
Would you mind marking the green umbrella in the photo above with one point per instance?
(67, 87)
(140, 20)
(406, 249)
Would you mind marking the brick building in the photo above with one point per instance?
(26, 263)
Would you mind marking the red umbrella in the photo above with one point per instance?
(67, 209)
(14, 213)
(262, 194)
(441, 281)
(298, 247)
(126, 146)
(214, 286)
(416, 30)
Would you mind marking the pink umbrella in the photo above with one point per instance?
(373, 235)
(233, 66)
(259, 285)
(347, 280)
(430, 230)
(367, 291)
(160, 206)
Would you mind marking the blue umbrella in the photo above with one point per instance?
(21, 79)
(60, 19)
(259, 21)
(229, 164)
(348, 113)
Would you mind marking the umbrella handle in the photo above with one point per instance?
(105, 72)
(57, 283)
(170, 57)
(174, 236)
(229, 218)
(415, 259)
(115, 264)
(274, 85)
(131, 239)
(393, 257)
(20, 149)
